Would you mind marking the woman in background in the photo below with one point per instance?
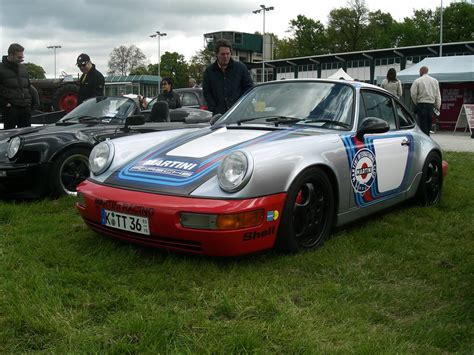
(392, 84)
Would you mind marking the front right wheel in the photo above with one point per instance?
(308, 213)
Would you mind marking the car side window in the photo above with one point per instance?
(380, 106)
(189, 99)
(404, 118)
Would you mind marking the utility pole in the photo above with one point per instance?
(263, 9)
(54, 47)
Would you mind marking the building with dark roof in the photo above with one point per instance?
(361, 65)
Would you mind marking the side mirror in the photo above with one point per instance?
(134, 120)
(215, 118)
(371, 125)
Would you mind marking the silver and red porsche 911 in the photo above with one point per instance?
(288, 162)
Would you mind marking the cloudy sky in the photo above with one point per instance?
(96, 27)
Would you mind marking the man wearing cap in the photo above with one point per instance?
(92, 81)
(15, 90)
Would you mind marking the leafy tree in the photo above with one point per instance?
(174, 66)
(462, 15)
(35, 71)
(346, 27)
(141, 70)
(125, 59)
(420, 29)
(381, 31)
(309, 36)
(198, 64)
(284, 48)
(152, 69)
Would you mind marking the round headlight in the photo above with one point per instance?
(101, 157)
(234, 172)
(13, 147)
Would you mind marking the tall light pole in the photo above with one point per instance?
(263, 9)
(54, 47)
(441, 31)
(158, 35)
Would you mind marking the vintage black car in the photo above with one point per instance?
(53, 159)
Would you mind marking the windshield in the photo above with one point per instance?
(322, 104)
(107, 109)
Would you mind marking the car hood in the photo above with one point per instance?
(181, 165)
(55, 130)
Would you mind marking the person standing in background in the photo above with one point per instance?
(192, 83)
(92, 82)
(225, 80)
(426, 96)
(168, 95)
(392, 84)
(15, 89)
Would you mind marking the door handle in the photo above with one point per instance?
(405, 142)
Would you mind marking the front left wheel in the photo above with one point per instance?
(69, 170)
(308, 213)
(429, 190)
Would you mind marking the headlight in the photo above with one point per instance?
(13, 147)
(101, 157)
(235, 171)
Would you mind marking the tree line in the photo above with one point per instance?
(351, 28)
(355, 28)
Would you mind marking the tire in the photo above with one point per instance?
(68, 170)
(308, 213)
(65, 97)
(429, 189)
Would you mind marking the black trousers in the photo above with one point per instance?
(425, 116)
(16, 116)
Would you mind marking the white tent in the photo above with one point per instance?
(445, 69)
(340, 74)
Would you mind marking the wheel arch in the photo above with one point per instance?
(68, 147)
(331, 177)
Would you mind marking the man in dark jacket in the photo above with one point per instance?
(15, 94)
(225, 80)
(92, 81)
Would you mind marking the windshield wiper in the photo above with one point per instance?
(95, 119)
(75, 118)
(333, 122)
(273, 119)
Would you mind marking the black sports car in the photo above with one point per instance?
(53, 159)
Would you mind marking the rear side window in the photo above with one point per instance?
(189, 99)
(406, 121)
(377, 105)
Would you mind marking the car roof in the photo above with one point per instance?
(335, 81)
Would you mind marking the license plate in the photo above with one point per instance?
(125, 222)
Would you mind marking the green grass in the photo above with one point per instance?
(402, 283)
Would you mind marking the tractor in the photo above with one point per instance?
(57, 94)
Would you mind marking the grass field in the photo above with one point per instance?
(400, 282)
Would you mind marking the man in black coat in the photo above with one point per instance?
(225, 80)
(92, 81)
(15, 94)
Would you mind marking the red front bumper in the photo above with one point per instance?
(164, 213)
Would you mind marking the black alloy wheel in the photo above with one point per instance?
(308, 214)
